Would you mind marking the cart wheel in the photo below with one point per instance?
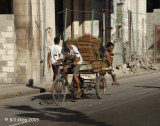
(58, 91)
(101, 87)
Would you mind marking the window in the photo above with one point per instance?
(153, 4)
(119, 9)
(6, 6)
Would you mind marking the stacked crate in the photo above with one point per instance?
(88, 47)
(73, 42)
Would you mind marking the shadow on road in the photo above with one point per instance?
(47, 99)
(147, 87)
(62, 115)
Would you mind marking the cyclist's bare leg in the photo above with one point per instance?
(55, 77)
(77, 81)
(66, 70)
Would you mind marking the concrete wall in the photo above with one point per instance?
(7, 49)
(30, 24)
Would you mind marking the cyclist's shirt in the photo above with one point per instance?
(72, 55)
(55, 51)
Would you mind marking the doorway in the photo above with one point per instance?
(59, 17)
(6, 6)
(153, 4)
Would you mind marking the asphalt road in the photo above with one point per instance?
(136, 102)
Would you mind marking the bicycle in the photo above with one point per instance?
(60, 84)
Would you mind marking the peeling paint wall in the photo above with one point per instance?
(138, 8)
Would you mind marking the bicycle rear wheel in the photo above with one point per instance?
(101, 87)
(58, 91)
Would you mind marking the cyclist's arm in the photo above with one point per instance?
(77, 55)
(109, 58)
(76, 61)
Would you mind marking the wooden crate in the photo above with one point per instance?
(88, 47)
(73, 42)
(89, 58)
(98, 65)
(88, 39)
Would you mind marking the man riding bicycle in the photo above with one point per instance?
(73, 61)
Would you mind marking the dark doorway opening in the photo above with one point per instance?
(153, 4)
(6, 6)
(59, 17)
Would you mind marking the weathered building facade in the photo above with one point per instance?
(23, 40)
(27, 29)
(153, 30)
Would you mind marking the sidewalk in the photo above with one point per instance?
(14, 90)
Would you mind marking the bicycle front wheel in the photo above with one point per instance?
(58, 91)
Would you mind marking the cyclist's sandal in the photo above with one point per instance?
(79, 95)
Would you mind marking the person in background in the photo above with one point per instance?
(54, 57)
(106, 52)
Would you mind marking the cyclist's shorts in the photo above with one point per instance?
(55, 69)
(75, 68)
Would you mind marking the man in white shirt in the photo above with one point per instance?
(54, 56)
(73, 60)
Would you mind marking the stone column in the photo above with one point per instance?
(21, 10)
(28, 41)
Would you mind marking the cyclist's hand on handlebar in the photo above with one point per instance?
(75, 63)
(60, 60)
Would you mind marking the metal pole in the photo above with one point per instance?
(118, 27)
(156, 44)
(129, 32)
(65, 25)
(109, 19)
(92, 23)
(72, 19)
(104, 22)
(122, 43)
(132, 31)
(44, 46)
(104, 28)
(154, 41)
